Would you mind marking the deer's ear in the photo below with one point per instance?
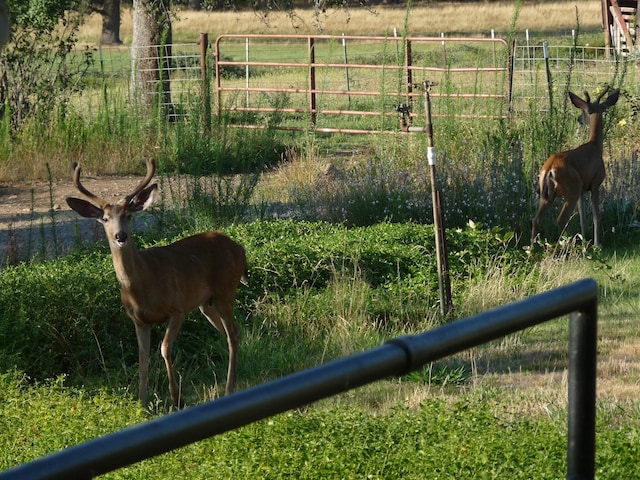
(577, 101)
(84, 208)
(144, 199)
(612, 99)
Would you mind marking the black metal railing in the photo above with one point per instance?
(396, 357)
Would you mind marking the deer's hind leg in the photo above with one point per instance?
(595, 207)
(547, 187)
(572, 198)
(543, 207)
(220, 314)
(568, 208)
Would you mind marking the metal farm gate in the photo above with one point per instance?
(355, 84)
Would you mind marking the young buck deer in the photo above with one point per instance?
(163, 284)
(572, 173)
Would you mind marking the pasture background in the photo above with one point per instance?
(321, 289)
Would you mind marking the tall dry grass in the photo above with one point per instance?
(468, 18)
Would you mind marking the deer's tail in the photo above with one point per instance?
(548, 184)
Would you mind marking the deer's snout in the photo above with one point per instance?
(121, 238)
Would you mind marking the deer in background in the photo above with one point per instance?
(572, 173)
(163, 284)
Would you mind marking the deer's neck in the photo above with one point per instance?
(595, 131)
(127, 264)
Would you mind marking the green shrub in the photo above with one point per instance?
(70, 307)
(62, 316)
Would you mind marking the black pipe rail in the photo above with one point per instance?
(397, 357)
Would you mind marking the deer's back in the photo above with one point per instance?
(220, 258)
(186, 274)
(573, 164)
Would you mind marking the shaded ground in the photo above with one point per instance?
(35, 220)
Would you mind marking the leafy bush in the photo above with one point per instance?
(39, 72)
(62, 316)
(70, 307)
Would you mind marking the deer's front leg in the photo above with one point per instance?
(175, 324)
(143, 334)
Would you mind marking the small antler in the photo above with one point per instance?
(151, 168)
(76, 180)
(606, 89)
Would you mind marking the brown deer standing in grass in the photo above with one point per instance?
(572, 173)
(163, 284)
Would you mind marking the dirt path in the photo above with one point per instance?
(28, 210)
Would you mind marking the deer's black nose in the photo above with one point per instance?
(121, 237)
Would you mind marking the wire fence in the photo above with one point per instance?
(501, 82)
(110, 74)
(580, 68)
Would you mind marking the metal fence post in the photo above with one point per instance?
(581, 446)
(203, 41)
(442, 258)
(312, 80)
(408, 72)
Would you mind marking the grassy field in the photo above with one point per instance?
(451, 18)
(341, 250)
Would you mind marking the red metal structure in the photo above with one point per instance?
(320, 84)
(620, 24)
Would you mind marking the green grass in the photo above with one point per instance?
(317, 292)
(472, 436)
(297, 265)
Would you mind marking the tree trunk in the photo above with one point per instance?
(150, 54)
(5, 27)
(111, 23)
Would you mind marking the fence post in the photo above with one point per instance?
(408, 72)
(203, 41)
(346, 68)
(545, 52)
(581, 448)
(511, 55)
(246, 70)
(442, 257)
(312, 80)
